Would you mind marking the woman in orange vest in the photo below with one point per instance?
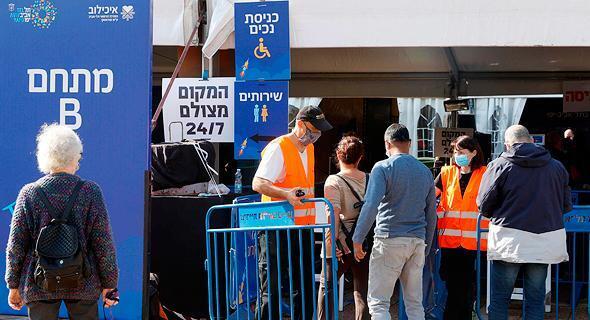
(458, 185)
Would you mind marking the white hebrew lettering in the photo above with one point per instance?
(97, 76)
(32, 77)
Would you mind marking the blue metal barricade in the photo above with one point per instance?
(576, 223)
(230, 282)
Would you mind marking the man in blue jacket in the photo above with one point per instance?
(524, 192)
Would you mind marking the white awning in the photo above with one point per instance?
(417, 23)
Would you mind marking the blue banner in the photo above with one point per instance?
(267, 216)
(577, 220)
(262, 41)
(261, 114)
(87, 65)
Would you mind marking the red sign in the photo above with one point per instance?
(576, 96)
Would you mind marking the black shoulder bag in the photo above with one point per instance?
(60, 260)
(368, 243)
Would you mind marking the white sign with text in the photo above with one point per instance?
(199, 109)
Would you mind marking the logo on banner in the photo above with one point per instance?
(127, 13)
(40, 14)
(111, 13)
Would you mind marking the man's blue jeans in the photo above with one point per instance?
(503, 277)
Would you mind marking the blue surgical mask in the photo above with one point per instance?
(462, 160)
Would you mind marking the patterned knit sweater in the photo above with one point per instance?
(90, 217)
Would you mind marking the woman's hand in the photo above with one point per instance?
(15, 301)
(108, 302)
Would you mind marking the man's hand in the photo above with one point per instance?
(359, 254)
(108, 302)
(15, 301)
(293, 199)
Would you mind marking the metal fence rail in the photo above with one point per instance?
(577, 224)
(233, 265)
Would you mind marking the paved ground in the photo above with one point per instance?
(515, 310)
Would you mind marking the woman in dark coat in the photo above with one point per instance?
(59, 151)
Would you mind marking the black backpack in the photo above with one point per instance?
(60, 260)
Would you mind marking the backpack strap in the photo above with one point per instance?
(358, 197)
(354, 193)
(68, 207)
(52, 211)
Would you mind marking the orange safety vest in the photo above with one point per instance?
(295, 178)
(457, 214)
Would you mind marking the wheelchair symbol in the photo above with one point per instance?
(261, 51)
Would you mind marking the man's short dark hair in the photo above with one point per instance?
(397, 133)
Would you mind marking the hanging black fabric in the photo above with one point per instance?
(176, 165)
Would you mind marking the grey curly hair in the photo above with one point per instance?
(58, 147)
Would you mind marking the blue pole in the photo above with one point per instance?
(268, 278)
(209, 280)
(478, 269)
(573, 299)
(246, 251)
(216, 276)
(227, 281)
(326, 281)
(292, 309)
(557, 292)
(313, 294)
(301, 277)
(258, 289)
(279, 276)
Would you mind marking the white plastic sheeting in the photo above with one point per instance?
(495, 115)
(421, 116)
(174, 21)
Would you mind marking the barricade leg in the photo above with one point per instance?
(227, 278)
(269, 295)
(258, 279)
(573, 296)
(247, 274)
(291, 288)
(312, 275)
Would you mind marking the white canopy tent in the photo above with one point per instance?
(420, 48)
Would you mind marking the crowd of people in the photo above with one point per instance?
(386, 224)
(388, 221)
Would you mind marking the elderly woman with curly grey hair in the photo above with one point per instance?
(59, 151)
